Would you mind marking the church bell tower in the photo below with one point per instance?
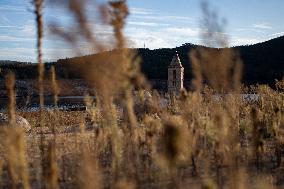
(175, 75)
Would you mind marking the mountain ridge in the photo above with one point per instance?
(263, 62)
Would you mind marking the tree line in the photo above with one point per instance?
(262, 63)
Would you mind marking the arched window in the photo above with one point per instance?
(174, 74)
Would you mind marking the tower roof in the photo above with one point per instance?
(175, 62)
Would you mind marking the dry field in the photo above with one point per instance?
(194, 141)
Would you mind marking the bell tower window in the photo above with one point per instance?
(174, 74)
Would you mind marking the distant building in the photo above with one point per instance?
(175, 75)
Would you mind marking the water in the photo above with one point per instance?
(76, 103)
(65, 103)
(244, 97)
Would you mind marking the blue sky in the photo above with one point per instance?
(153, 23)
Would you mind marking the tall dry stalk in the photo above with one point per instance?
(16, 157)
(54, 85)
(14, 141)
(207, 62)
(51, 177)
(119, 13)
(38, 4)
(10, 85)
(221, 70)
(89, 173)
(10, 82)
(112, 74)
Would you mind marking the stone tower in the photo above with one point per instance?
(175, 75)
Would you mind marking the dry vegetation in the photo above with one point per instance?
(195, 141)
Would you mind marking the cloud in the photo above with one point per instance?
(167, 37)
(251, 30)
(29, 54)
(163, 18)
(260, 28)
(237, 41)
(151, 24)
(53, 54)
(141, 11)
(9, 38)
(8, 26)
(278, 34)
(183, 31)
(264, 26)
(4, 20)
(18, 8)
(158, 30)
(154, 15)
(29, 28)
(143, 26)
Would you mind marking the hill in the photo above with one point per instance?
(263, 63)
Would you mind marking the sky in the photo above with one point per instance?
(152, 24)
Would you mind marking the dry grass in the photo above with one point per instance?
(196, 141)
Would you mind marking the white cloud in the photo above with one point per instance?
(163, 18)
(13, 8)
(4, 20)
(144, 26)
(154, 15)
(5, 26)
(183, 31)
(53, 54)
(251, 30)
(8, 38)
(167, 37)
(101, 28)
(277, 34)
(152, 24)
(157, 30)
(28, 29)
(264, 26)
(29, 54)
(141, 11)
(236, 41)
(185, 18)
